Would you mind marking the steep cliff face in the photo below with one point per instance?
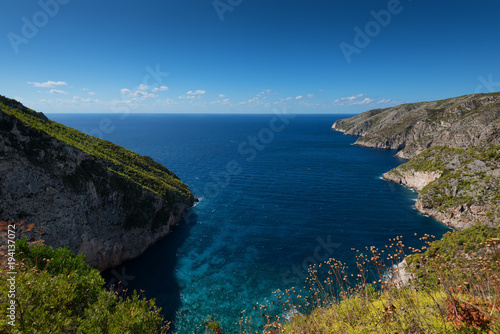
(460, 122)
(458, 187)
(413, 179)
(454, 152)
(90, 195)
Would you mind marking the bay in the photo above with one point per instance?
(277, 194)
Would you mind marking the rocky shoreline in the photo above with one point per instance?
(453, 151)
(417, 181)
(453, 147)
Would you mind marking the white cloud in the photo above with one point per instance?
(257, 99)
(165, 102)
(310, 96)
(48, 84)
(57, 91)
(126, 92)
(298, 97)
(85, 89)
(91, 93)
(144, 95)
(75, 101)
(160, 89)
(187, 97)
(222, 96)
(225, 101)
(79, 100)
(196, 92)
(265, 92)
(141, 93)
(353, 100)
(364, 101)
(384, 101)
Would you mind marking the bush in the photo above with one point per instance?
(57, 292)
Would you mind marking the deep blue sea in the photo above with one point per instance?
(273, 192)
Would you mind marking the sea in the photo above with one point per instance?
(278, 193)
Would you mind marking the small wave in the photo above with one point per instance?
(200, 199)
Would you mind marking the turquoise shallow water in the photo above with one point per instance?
(272, 191)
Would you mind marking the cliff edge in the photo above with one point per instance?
(454, 152)
(458, 187)
(91, 195)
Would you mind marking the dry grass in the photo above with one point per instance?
(447, 294)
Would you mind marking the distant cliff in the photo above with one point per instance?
(460, 122)
(454, 149)
(96, 197)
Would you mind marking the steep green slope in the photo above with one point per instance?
(140, 169)
(85, 193)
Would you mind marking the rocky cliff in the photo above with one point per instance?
(460, 122)
(454, 152)
(82, 192)
(458, 187)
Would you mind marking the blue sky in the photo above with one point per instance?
(245, 56)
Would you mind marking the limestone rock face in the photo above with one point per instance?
(413, 179)
(74, 199)
(458, 187)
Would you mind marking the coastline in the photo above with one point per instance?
(416, 181)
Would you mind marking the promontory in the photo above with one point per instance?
(82, 192)
(454, 152)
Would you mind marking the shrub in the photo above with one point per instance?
(57, 292)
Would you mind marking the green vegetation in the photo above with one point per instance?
(57, 292)
(461, 297)
(432, 159)
(451, 248)
(469, 177)
(140, 169)
(455, 289)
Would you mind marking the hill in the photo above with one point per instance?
(454, 152)
(460, 122)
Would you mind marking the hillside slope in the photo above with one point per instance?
(93, 196)
(454, 149)
(458, 187)
(460, 122)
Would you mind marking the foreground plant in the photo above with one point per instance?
(57, 292)
(453, 287)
